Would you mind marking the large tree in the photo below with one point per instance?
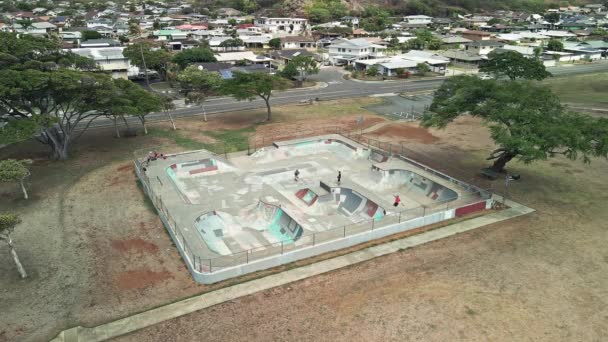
(248, 86)
(555, 45)
(514, 65)
(136, 101)
(44, 93)
(8, 222)
(147, 56)
(198, 85)
(12, 170)
(305, 65)
(59, 104)
(526, 120)
(196, 55)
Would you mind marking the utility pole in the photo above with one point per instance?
(141, 50)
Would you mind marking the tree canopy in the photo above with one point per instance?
(248, 86)
(12, 170)
(155, 58)
(275, 43)
(195, 55)
(526, 120)
(198, 84)
(555, 45)
(514, 65)
(44, 92)
(305, 66)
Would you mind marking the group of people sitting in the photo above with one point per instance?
(153, 155)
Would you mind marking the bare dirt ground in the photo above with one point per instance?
(97, 252)
(541, 277)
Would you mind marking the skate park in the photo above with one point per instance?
(240, 212)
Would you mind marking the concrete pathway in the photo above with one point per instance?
(148, 318)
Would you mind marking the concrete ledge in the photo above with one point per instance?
(148, 318)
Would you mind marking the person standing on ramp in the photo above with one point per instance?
(296, 175)
(339, 176)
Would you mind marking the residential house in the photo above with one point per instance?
(298, 42)
(283, 57)
(482, 47)
(454, 42)
(463, 58)
(436, 62)
(228, 12)
(476, 35)
(418, 20)
(291, 25)
(560, 35)
(249, 56)
(582, 51)
(109, 59)
(528, 52)
(99, 43)
(345, 51)
(352, 21)
(46, 26)
(165, 35)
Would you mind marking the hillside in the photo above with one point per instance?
(428, 7)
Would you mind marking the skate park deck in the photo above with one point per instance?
(226, 206)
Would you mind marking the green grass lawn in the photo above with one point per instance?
(590, 90)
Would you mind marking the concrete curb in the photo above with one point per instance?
(154, 316)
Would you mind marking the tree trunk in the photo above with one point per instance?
(23, 188)
(58, 143)
(116, 130)
(172, 121)
(143, 123)
(125, 121)
(269, 116)
(500, 162)
(16, 258)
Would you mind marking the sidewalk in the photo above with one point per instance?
(148, 318)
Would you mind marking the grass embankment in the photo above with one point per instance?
(586, 90)
(224, 140)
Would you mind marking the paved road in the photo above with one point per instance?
(337, 88)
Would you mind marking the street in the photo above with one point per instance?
(337, 88)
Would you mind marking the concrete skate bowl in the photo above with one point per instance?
(281, 151)
(413, 182)
(260, 225)
(181, 174)
(343, 201)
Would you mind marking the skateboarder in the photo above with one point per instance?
(397, 201)
(296, 174)
(339, 176)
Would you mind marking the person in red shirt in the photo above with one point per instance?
(397, 201)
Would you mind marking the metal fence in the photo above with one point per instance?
(473, 195)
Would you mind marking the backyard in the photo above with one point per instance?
(96, 250)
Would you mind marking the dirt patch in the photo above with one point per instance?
(125, 168)
(405, 132)
(197, 136)
(136, 245)
(140, 279)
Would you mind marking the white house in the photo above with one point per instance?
(418, 19)
(109, 59)
(345, 51)
(482, 47)
(291, 25)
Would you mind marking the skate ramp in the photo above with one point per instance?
(409, 182)
(306, 148)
